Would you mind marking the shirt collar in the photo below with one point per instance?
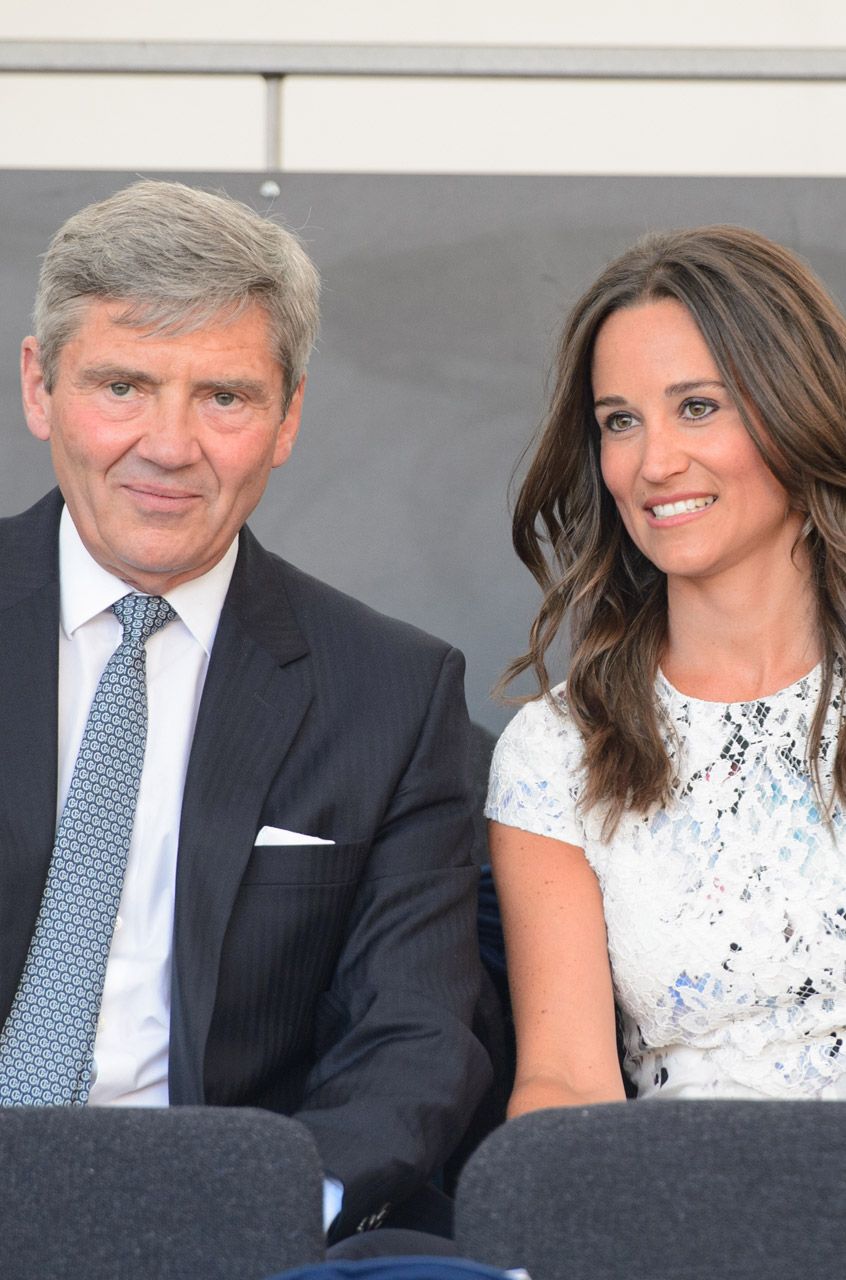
(87, 588)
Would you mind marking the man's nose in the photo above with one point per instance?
(170, 437)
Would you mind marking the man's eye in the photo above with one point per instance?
(225, 399)
(120, 389)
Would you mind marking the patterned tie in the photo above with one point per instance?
(47, 1043)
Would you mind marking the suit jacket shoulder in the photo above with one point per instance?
(363, 665)
(29, 549)
(325, 613)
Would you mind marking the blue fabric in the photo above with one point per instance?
(491, 941)
(416, 1268)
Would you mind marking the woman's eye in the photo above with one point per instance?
(698, 408)
(619, 421)
(120, 389)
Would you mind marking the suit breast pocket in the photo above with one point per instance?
(305, 864)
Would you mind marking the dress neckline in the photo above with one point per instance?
(811, 680)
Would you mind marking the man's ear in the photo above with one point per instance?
(36, 397)
(289, 426)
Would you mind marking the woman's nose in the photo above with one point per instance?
(663, 452)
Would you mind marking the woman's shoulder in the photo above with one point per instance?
(536, 771)
(546, 718)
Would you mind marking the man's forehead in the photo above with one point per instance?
(128, 324)
(151, 318)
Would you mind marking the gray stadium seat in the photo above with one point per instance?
(662, 1190)
(194, 1193)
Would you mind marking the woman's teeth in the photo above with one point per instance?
(666, 509)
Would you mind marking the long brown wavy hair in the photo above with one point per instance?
(779, 342)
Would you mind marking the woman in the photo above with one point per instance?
(678, 806)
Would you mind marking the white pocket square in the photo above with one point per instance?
(278, 835)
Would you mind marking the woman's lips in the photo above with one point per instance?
(678, 510)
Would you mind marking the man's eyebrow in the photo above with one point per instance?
(115, 373)
(250, 387)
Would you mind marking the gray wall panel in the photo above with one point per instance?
(442, 297)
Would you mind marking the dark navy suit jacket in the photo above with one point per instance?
(332, 982)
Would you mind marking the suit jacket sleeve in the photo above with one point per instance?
(398, 1071)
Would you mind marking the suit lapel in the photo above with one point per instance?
(29, 670)
(256, 693)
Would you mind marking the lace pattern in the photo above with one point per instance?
(726, 911)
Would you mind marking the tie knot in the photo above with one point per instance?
(140, 616)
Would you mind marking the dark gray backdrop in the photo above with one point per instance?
(442, 298)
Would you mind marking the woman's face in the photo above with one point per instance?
(692, 490)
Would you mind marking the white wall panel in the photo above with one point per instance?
(626, 22)
(588, 127)
(396, 125)
(137, 122)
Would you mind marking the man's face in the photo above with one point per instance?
(162, 445)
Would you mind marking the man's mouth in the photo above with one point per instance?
(159, 492)
(663, 510)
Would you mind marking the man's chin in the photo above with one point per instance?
(154, 574)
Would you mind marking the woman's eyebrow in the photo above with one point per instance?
(682, 388)
(675, 389)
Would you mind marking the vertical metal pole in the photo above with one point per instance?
(273, 122)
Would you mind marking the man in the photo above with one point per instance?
(282, 912)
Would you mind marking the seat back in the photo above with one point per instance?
(149, 1194)
(662, 1190)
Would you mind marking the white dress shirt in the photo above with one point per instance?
(132, 1042)
(131, 1047)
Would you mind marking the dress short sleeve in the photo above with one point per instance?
(536, 772)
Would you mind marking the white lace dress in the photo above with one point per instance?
(726, 911)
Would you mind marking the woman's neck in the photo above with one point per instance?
(743, 636)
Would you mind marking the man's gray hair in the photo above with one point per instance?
(178, 258)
